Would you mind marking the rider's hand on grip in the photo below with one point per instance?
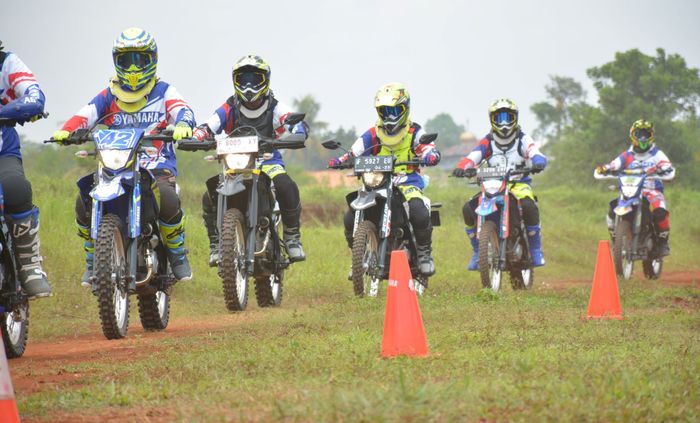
(182, 130)
(334, 162)
(202, 133)
(430, 159)
(60, 136)
(601, 169)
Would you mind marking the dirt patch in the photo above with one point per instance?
(667, 279)
(47, 365)
(112, 414)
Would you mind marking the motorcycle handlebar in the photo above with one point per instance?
(192, 144)
(82, 136)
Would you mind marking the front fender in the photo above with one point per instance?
(625, 206)
(231, 186)
(111, 188)
(364, 200)
(487, 206)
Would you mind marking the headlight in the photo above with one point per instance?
(372, 179)
(492, 186)
(629, 186)
(629, 191)
(237, 161)
(115, 159)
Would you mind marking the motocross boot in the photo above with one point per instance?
(424, 249)
(89, 247)
(25, 232)
(535, 241)
(474, 262)
(292, 234)
(662, 247)
(209, 217)
(174, 239)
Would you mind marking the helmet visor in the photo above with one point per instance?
(139, 59)
(504, 117)
(642, 135)
(249, 79)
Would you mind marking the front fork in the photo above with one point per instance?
(252, 223)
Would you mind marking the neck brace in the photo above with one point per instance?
(254, 113)
(130, 101)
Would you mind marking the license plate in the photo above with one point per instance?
(237, 145)
(373, 164)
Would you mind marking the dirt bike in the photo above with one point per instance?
(635, 236)
(14, 304)
(503, 243)
(381, 220)
(248, 216)
(130, 257)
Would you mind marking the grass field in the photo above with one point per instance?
(512, 356)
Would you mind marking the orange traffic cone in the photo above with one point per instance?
(8, 408)
(605, 297)
(404, 333)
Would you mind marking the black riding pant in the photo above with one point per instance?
(418, 215)
(286, 193)
(531, 213)
(16, 187)
(170, 211)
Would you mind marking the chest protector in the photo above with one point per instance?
(263, 123)
(403, 151)
(507, 156)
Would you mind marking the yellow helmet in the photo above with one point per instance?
(503, 114)
(393, 105)
(251, 78)
(135, 56)
(642, 135)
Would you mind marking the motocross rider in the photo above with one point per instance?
(644, 154)
(395, 133)
(254, 104)
(21, 100)
(505, 140)
(136, 98)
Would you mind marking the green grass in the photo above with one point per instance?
(511, 356)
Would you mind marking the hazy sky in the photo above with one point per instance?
(454, 56)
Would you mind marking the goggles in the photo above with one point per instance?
(503, 118)
(642, 135)
(140, 59)
(249, 79)
(391, 114)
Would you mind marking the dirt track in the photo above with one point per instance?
(47, 365)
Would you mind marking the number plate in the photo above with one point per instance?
(237, 145)
(374, 164)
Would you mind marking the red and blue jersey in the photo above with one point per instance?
(20, 99)
(164, 106)
(653, 158)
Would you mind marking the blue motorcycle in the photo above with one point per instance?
(130, 256)
(503, 243)
(635, 236)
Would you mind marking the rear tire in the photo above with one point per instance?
(15, 330)
(621, 249)
(489, 249)
(268, 290)
(110, 270)
(154, 311)
(231, 254)
(365, 257)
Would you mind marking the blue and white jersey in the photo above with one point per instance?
(164, 106)
(20, 98)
